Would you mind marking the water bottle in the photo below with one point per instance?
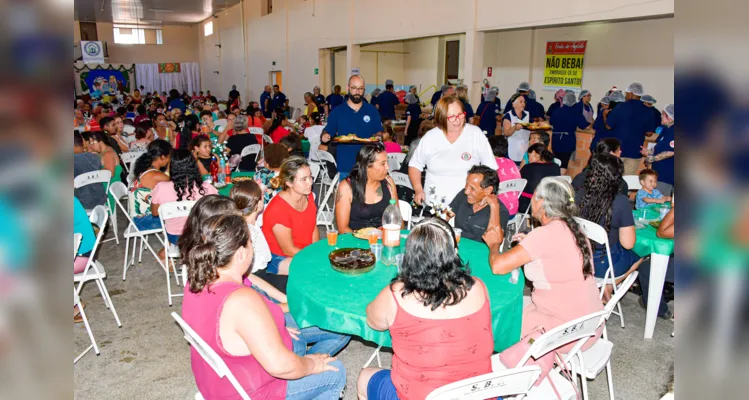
(221, 170)
(391, 231)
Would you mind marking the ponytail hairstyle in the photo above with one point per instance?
(316, 118)
(156, 149)
(277, 120)
(191, 125)
(219, 239)
(207, 207)
(198, 141)
(541, 150)
(559, 203)
(246, 196)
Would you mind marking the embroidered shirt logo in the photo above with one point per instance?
(465, 156)
(366, 118)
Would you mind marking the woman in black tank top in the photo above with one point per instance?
(363, 196)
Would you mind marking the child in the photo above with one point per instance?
(649, 194)
(536, 137)
(201, 150)
(387, 139)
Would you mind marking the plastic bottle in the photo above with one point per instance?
(391, 230)
(221, 171)
(227, 172)
(214, 169)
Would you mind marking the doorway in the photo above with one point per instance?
(452, 59)
(88, 31)
(276, 78)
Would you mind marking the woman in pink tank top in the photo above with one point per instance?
(438, 316)
(245, 329)
(507, 171)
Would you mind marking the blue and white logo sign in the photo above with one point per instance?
(93, 52)
(366, 118)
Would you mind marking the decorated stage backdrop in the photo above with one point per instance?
(98, 80)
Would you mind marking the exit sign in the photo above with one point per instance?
(315, 71)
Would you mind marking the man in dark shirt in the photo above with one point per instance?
(279, 99)
(265, 101)
(649, 102)
(631, 122)
(477, 206)
(234, 96)
(438, 95)
(319, 99)
(387, 101)
(333, 100)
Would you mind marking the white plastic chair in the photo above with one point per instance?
(326, 213)
(129, 129)
(255, 149)
(102, 177)
(401, 179)
(129, 158)
(94, 270)
(210, 356)
(256, 131)
(578, 330)
(598, 356)
(512, 185)
(558, 162)
(77, 238)
(395, 160)
(267, 139)
(167, 211)
(406, 212)
(321, 158)
(633, 182)
(118, 191)
(597, 234)
(77, 302)
(566, 178)
(509, 382)
(221, 123)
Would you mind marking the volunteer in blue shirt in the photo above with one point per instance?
(373, 98)
(387, 101)
(650, 101)
(279, 99)
(353, 116)
(565, 122)
(413, 118)
(662, 156)
(599, 125)
(530, 104)
(413, 89)
(489, 114)
(584, 106)
(319, 98)
(333, 100)
(265, 101)
(438, 95)
(175, 101)
(558, 96)
(631, 122)
(538, 111)
(462, 92)
(497, 101)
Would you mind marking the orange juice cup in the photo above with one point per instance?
(372, 237)
(332, 237)
(458, 233)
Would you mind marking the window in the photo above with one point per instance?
(159, 38)
(208, 28)
(124, 34)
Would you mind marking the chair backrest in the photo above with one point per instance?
(401, 179)
(633, 182)
(558, 162)
(581, 328)
(315, 169)
(209, 355)
(321, 156)
(77, 238)
(508, 382)
(621, 291)
(89, 178)
(267, 139)
(256, 131)
(593, 231)
(130, 157)
(129, 129)
(98, 217)
(220, 122)
(251, 149)
(512, 185)
(175, 209)
(566, 178)
(406, 212)
(395, 160)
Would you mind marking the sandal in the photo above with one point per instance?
(77, 317)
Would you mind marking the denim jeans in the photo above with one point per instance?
(621, 258)
(644, 278)
(325, 386)
(274, 264)
(323, 342)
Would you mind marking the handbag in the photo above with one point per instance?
(512, 355)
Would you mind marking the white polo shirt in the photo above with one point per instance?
(448, 163)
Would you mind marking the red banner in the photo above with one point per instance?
(566, 47)
(168, 68)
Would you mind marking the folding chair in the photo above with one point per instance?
(167, 211)
(210, 356)
(578, 330)
(401, 179)
(77, 238)
(633, 182)
(118, 191)
(326, 213)
(94, 270)
(406, 212)
(597, 234)
(511, 382)
(321, 157)
(395, 160)
(566, 178)
(77, 302)
(221, 123)
(102, 176)
(598, 356)
(248, 150)
(129, 158)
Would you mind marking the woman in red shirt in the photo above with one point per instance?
(277, 130)
(440, 334)
(290, 220)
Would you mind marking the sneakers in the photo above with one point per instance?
(667, 315)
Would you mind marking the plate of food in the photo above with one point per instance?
(363, 140)
(364, 233)
(352, 261)
(346, 138)
(241, 179)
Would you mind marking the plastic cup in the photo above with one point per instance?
(372, 237)
(458, 233)
(332, 237)
(399, 261)
(376, 249)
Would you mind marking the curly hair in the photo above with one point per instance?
(156, 149)
(203, 209)
(601, 187)
(185, 174)
(559, 203)
(431, 268)
(219, 239)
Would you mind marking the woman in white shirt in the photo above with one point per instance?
(314, 132)
(447, 152)
(517, 136)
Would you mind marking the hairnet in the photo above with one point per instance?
(410, 98)
(491, 96)
(524, 87)
(605, 100)
(412, 87)
(376, 92)
(532, 94)
(636, 89)
(617, 96)
(583, 93)
(494, 89)
(442, 89)
(569, 99)
(388, 81)
(648, 99)
(669, 110)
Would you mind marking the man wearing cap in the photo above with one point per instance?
(334, 99)
(438, 95)
(387, 101)
(319, 98)
(631, 122)
(650, 101)
(530, 104)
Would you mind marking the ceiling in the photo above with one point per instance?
(165, 12)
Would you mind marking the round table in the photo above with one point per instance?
(319, 296)
(224, 190)
(659, 249)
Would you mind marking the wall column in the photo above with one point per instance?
(352, 60)
(474, 61)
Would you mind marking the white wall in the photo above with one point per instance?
(180, 45)
(420, 64)
(231, 52)
(617, 54)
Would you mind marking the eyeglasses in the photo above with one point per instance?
(356, 88)
(456, 117)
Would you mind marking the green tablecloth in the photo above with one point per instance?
(647, 241)
(224, 191)
(305, 146)
(320, 296)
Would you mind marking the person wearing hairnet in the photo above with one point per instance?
(413, 89)
(631, 122)
(489, 114)
(524, 90)
(661, 157)
(558, 96)
(650, 101)
(538, 108)
(497, 101)
(599, 125)
(438, 95)
(373, 96)
(584, 106)
(512, 127)
(565, 121)
(413, 118)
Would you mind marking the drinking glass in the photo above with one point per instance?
(376, 249)
(372, 237)
(458, 233)
(332, 237)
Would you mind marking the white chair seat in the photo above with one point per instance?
(595, 358)
(132, 231)
(173, 250)
(544, 391)
(95, 272)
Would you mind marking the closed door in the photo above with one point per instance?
(452, 59)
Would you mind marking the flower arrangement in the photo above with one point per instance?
(440, 208)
